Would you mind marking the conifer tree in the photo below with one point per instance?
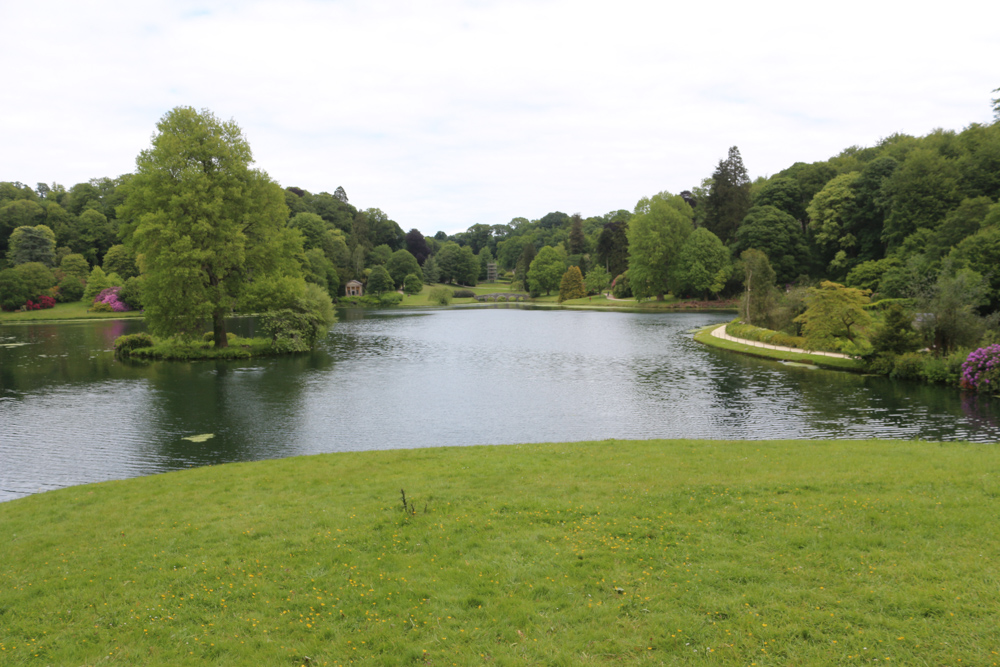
(729, 197)
(571, 286)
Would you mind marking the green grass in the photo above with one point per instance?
(76, 310)
(179, 350)
(649, 553)
(705, 336)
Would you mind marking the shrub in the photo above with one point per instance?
(413, 284)
(981, 370)
(909, 366)
(109, 296)
(209, 336)
(125, 344)
(440, 295)
(36, 276)
(291, 331)
(463, 294)
(390, 299)
(13, 290)
(620, 288)
(131, 293)
(881, 364)
(101, 307)
(70, 289)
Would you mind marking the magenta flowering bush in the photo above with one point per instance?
(981, 371)
(110, 297)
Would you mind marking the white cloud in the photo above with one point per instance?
(444, 114)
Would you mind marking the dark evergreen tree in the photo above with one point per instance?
(417, 245)
(729, 197)
(577, 241)
(612, 247)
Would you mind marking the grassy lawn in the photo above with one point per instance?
(658, 552)
(423, 299)
(705, 336)
(77, 310)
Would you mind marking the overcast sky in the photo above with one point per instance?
(447, 114)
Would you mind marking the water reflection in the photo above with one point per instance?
(71, 413)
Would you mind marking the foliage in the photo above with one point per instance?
(14, 290)
(571, 285)
(119, 259)
(109, 296)
(894, 333)
(655, 238)
(205, 223)
(597, 280)
(612, 247)
(440, 295)
(981, 370)
(186, 349)
(290, 330)
(36, 276)
(457, 264)
(70, 289)
(702, 265)
(430, 271)
(42, 303)
(620, 288)
(32, 244)
(413, 284)
(950, 310)
(759, 297)
(779, 236)
(909, 366)
(737, 329)
(546, 271)
(783, 193)
(379, 281)
(124, 345)
(97, 281)
(835, 313)
(390, 299)
(401, 264)
(728, 197)
(75, 265)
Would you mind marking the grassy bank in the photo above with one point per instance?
(659, 552)
(77, 310)
(705, 336)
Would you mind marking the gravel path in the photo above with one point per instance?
(720, 332)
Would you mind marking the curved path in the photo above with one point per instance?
(720, 332)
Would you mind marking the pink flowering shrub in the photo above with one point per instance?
(981, 371)
(109, 296)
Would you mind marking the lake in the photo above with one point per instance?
(71, 414)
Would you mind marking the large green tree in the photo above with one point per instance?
(205, 223)
(32, 244)
(546, 270)
(702, 265)
(777, 235)
(655, 238)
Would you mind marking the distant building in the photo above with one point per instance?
(354, 288)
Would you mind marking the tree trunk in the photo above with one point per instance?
(219, 329)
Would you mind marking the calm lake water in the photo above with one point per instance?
(70, 413)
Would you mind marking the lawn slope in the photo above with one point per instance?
(658, 552)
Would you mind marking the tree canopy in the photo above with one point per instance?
(205, 223)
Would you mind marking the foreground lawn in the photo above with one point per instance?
(659, 552)
(76, 310)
